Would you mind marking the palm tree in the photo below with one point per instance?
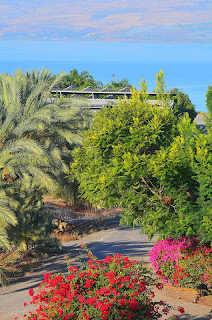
(82, 79)
(36, 136)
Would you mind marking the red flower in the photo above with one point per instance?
(46, 276)
(126, 260)
(31, 292)
(159, 286)
(109, 290)
(107, 259)
(123, 312)
(70, 277)
(181, 310)
(88, 283)
(136, 293)
(133, 304)
(130, 315)
(165, 310)
(73, 269)
(85, 316)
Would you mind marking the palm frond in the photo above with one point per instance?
(4, 242)
(36, 137)
(70, 137)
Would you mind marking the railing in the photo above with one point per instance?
(97, 99)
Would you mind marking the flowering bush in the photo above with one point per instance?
(183, 262)
(113, 288)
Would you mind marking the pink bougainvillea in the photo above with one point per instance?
(183, 262)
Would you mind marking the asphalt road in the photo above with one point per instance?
(114, 240)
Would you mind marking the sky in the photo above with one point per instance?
(172, 21)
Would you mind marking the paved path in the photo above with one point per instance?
(116, 240)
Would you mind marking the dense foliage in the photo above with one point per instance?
(36, 137)
(84, 79)
(119, 84)
(79, 80)
(182, 103)
(209, 99)
(32, 233)
(183, 262)
(158, 168)
(113, 288)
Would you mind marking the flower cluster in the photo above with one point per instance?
(183, 262)
(113, 288)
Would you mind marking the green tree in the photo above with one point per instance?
(113, 165)
(79, 80)
(209, 99)
(36, 137)
(160, 88)
(158, 168)
(118, 84)
(203, 175)
(182, 103)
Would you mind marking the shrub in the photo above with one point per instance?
(113, 288)
(141, 158)
(183, 262)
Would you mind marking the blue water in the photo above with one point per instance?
(187, 67)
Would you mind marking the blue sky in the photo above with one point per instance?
(108, 20)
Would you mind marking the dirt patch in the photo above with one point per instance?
(69, 231)
(15, 266)
(61, 210)
(187, 294)
(74, 223)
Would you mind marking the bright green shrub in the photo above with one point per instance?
(158, 168)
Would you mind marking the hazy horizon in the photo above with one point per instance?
(108, 20)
